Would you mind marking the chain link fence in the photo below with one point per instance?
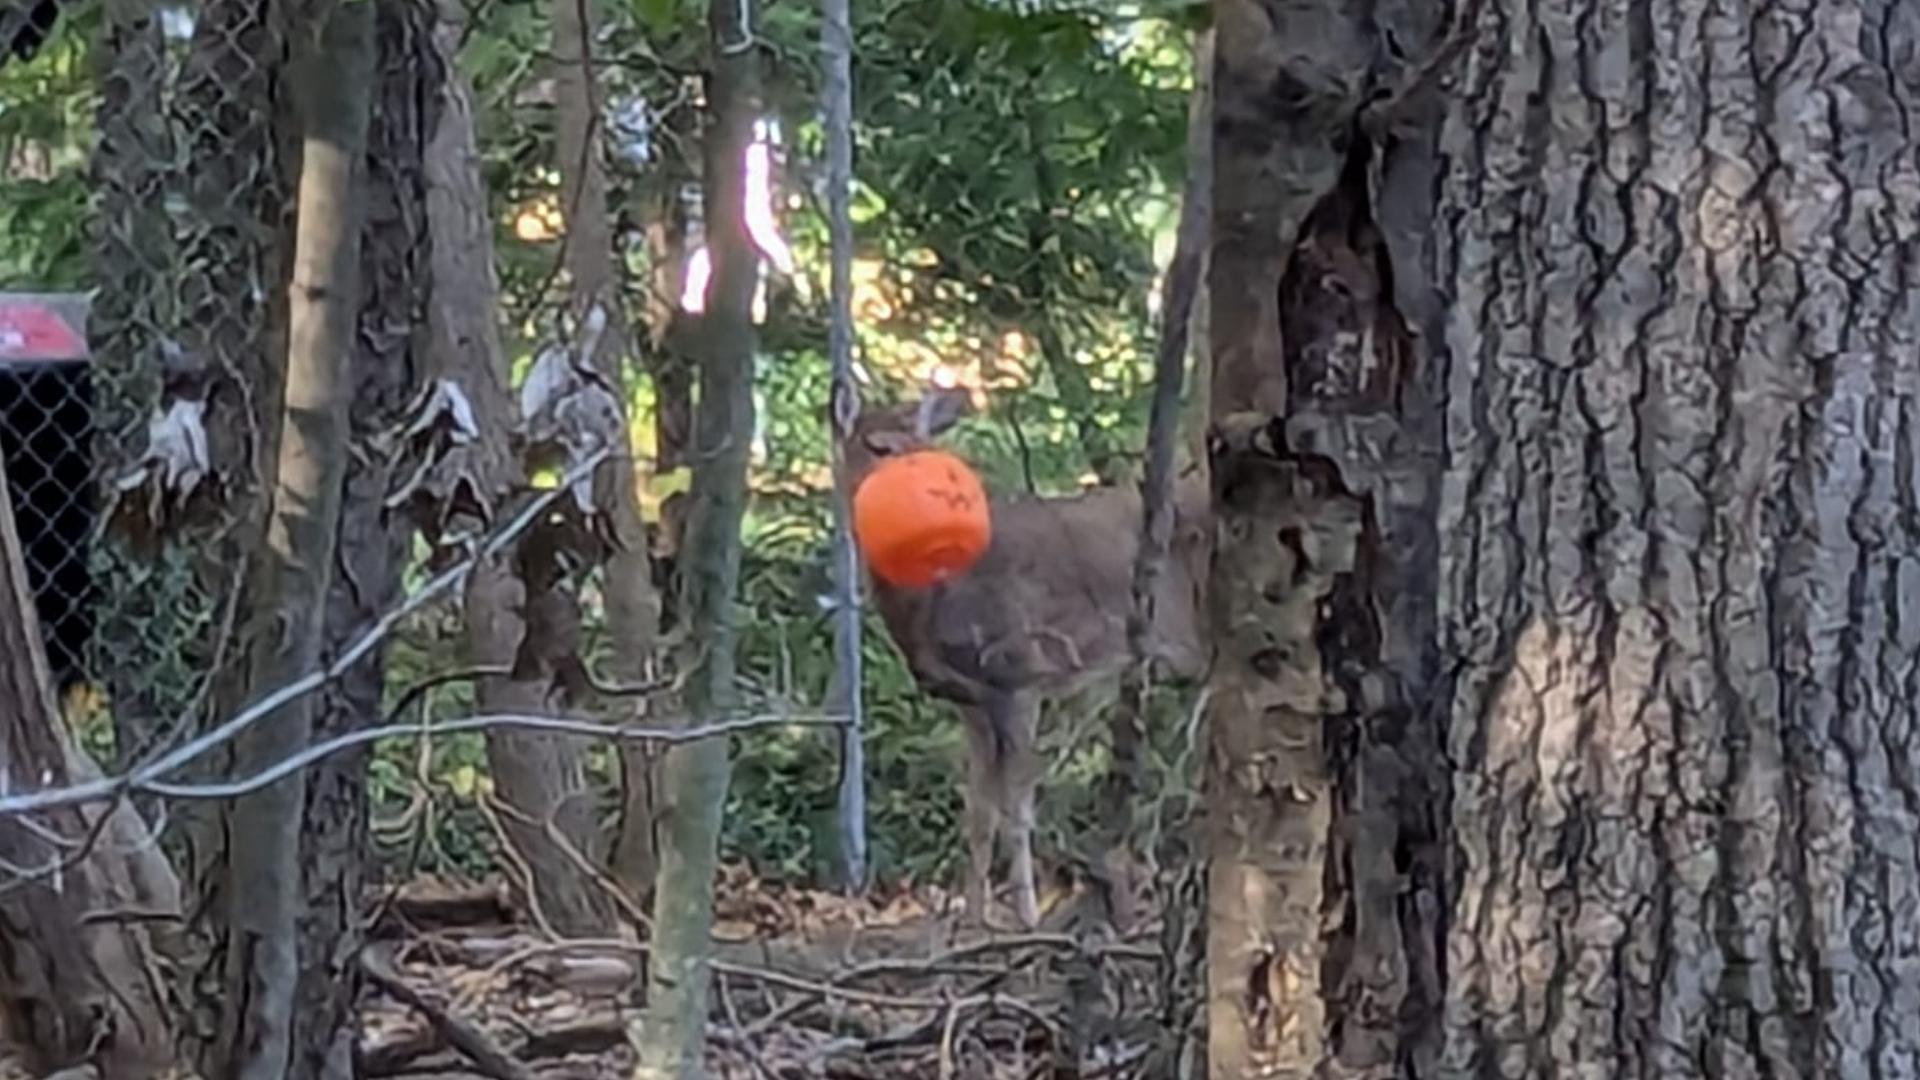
(112, 620)
(46, 428)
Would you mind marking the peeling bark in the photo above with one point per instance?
(1326, 793)
(1679, 535)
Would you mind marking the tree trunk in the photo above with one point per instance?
(1324, 794)
(132, 315)
(1679, 525)
(372, 545)
(633, 609)
(850, 803)
(458, 494)
(233, 120)
(73, 990)
(672, 1035)
(331, 76)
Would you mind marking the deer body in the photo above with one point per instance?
(1040, 617)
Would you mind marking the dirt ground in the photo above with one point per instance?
(807, 984)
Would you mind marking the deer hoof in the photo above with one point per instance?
(1027, 910)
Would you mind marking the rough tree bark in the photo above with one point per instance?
(671, 1037)
(1326, 788)
(1679, 242)
(331, 74)
(73, 991)
(371, 543)
(633, 609)
(134, 267)
(232, 118)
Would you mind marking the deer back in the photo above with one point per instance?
(1045, 609)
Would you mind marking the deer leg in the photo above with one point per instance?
(1026, 898)
(1018, 723)
(982, 810)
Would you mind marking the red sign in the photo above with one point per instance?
(34, 330)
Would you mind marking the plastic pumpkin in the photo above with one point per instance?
(921, 518)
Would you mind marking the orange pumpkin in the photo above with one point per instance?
(921, 518)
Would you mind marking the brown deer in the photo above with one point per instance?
(1040, 617)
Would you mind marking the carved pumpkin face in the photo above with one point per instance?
(921, 517)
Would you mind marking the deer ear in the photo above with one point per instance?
(941, 409)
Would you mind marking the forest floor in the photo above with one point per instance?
(807, 984)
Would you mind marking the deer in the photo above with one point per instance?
(1040, 617)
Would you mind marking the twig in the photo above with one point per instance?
(1055, 942)
(947, 1029)
(724, 967)
(547, 948)
(433, 682)
(747, 1046)
(987, 1001)
(461, 1034)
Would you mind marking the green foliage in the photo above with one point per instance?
(46, 129)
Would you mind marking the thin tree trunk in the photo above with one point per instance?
(1196, 412)
(670, 362)
(1072, 385)
(372, 545)
(1324, 804)
(72, 991)
(331, 76)
(1122, 790)
(672, 1035)
(1125, 781)
(850, 805)
(1680, 523)
(633, 609)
